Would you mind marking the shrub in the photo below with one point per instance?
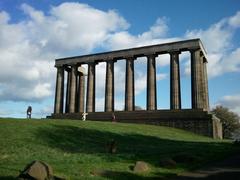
(229, 120)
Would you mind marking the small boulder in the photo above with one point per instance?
(140, 167)
(168, 163)
(37, 170)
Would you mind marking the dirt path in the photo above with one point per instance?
(229, 169)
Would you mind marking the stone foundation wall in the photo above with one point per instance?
(197, 121)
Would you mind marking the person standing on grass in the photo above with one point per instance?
(113, 117)
(29, 112)
(84, 116)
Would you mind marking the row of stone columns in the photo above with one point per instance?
(76, 85)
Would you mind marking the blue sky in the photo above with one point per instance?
(34, 33)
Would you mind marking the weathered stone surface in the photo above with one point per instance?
(168, 163)
(151, 83)
(198, 121)
(109, 87)
(175, 89)
(58, 105)
(37, 170)
(129, 85)
(90, 104)
(137, 52)
(73, 90)
(141, 166)
(81, 92)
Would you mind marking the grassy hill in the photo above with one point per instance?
(75, 149)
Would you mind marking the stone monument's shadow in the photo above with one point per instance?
(132, 147)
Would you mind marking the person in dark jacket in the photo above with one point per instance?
(29, 112)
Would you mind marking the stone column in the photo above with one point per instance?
(73, 89)
(68, 90)
(205, 86)
(81, 91)
(151, 83)
(129, 85)
(109, 87)
(175, 89)
(196, 79)
(59, 94)
(91, 88)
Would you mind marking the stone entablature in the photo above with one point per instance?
(158, 49)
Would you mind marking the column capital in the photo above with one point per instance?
(151, 55)
(92, 63)
(59, 66)
(72, 64)
(205, 59)
(174, 52)
(129, 58)
(194, 49)
(108, 59)
(66, 68)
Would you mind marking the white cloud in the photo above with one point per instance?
(28, 48)
(222, 57)
(232, 102)
(72, 26)
(234, 21)
(161, 76)
(155, 35)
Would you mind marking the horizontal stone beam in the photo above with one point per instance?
(186, 45)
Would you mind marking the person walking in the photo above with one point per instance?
(29, 112)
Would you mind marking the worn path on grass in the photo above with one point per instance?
(227, 169)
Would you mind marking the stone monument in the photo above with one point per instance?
(198, 119)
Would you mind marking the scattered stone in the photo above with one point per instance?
(140, 167)
(38, 170)
(168, 163)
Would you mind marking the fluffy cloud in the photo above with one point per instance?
(155, 35)
(222, 57)
(72, 26)
(28, 48)
(232, 102)
(234, 21)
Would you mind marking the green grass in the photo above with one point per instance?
(74, 148)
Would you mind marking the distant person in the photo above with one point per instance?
(84, 115)
(113, 117)
(29, 112)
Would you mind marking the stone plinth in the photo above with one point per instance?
(197, 121)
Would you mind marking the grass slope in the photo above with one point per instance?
(74, 148)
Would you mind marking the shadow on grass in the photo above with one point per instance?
(117, 175)
(7, 178)
(217, 176)
(129, 146)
